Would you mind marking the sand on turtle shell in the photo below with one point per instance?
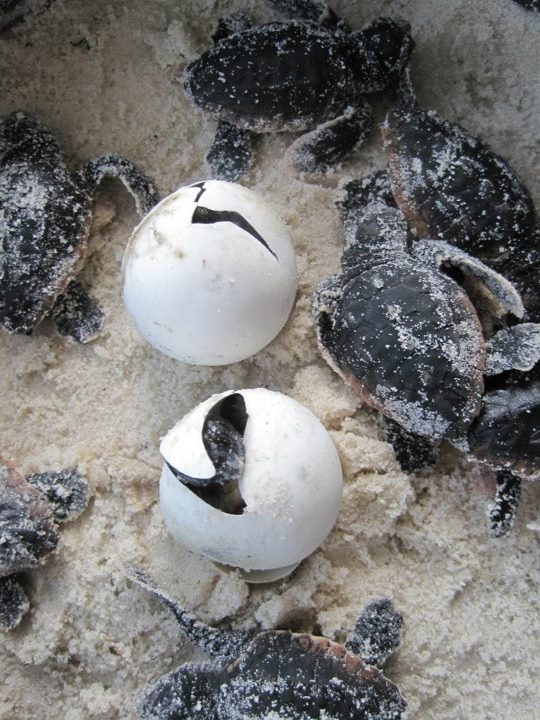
(104, 78)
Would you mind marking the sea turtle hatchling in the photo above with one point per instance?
(398, 327)
(452, 186)
(304, 73)
(278, 674)
(31, 508)
(45, 214)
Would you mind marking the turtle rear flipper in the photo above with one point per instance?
(141, 188)
(77, 315)
(66, 492)
(413, 452)
(377, 633)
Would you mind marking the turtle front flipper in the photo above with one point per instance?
(505, 434)
(231, 154)
(413, 452)
(503, 509)
(377, 633)
(333, 141)
(141, 188)
(215, 642)
(77, 315)
(187, 693)
(494, 297)
(513, 348)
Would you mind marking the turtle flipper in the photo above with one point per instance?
(317, 11)
(139, 185)
(331, 142)
(235, 23)
(77, 315)
(215, 642)
(183, 694)
(231, 154)
(413, 452)
(65, 491)
(13, 602)
(513, 348)
(377, 633)
(494, 297)
(503, 509)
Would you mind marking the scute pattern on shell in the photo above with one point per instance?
(405, 336)
(273, 77)
(43, 218)
(277, 675)
(452, 186)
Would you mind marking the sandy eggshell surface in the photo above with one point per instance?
(292, 486)
(210, 274)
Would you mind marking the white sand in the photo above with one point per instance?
(92, 640)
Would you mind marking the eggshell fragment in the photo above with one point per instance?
(291, 486)
(210, 274)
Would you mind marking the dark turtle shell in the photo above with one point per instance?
(409, 342)
(277, 675)
(278, 76)
(44, 215)
(452, 186)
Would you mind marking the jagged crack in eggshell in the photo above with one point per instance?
(292, 486)
(210, 274)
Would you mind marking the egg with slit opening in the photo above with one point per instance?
(252, 480)
(209, 275)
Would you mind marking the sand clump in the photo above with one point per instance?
(104, 78)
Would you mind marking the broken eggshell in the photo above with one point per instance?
(210, 274)
(286, 486)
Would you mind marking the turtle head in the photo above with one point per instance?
(374, 235)
(379, 53)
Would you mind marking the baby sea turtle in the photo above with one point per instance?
(451, 186)
(31, 508)
(279, 674)
(309, 73)
(398, 327)
(45, 214)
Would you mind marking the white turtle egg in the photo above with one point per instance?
(286, 489)
(210, 274)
